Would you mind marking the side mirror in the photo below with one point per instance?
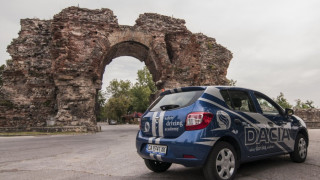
(289, 112)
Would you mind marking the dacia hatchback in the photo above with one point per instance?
(217, 128)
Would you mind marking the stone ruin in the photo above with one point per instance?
(57, 65)
(310, 116)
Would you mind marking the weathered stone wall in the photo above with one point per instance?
(310, 116)
(57, 65)
(28, 89)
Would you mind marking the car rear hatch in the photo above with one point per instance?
(167, 114)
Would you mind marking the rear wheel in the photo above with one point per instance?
(299, 154)
(222, 162)
(157, 166)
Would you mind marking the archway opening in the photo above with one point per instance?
(128, 81)
(121, 68)
(133, 49)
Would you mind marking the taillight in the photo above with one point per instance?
(198, 120)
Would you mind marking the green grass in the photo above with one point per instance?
(39, 133)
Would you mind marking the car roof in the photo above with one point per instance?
(232, 87)
(197, 88)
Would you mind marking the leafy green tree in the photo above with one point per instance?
(125, 98)
(120, 102)
(119, 88)
(282, 101)
(117, 107)
(101, 100)
(140, 98)
(304, 105)
(142, 90)
(145, 79)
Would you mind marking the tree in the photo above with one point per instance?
(145, 79)
(304, 105)
(125, 98)
(140, 98)
(142, 90)
(101, 100)
(232, 82)
(116, 107)
(282, 101)
(309, 103)
(119, 88)
(120, 102)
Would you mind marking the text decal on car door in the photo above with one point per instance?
(267, 135)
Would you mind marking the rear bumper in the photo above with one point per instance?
(189, 143)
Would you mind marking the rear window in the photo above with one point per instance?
(175, 100)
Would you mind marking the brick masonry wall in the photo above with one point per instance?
(310, 116)
(57, 65)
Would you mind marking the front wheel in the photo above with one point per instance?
(299, 154)
(157, 166)
(221, 163)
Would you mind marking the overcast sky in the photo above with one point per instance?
(275, 43)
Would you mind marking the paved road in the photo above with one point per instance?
(111, 154)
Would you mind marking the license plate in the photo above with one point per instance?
(156, 149)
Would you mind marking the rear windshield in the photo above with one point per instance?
(175, 100)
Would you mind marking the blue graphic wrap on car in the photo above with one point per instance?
(184, 125)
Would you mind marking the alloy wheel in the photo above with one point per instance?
(225, 163)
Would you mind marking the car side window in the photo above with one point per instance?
(238, 100)
(266, 106)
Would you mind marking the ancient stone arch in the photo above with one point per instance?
(57, 65)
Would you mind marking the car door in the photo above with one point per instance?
(248, 123)
(280, 135)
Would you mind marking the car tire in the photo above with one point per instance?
(300, 152)
(222, 162)
(157, 166)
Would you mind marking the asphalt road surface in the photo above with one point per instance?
(111, 154)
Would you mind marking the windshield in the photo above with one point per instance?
(175, 100)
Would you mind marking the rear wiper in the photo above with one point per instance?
(169, 106)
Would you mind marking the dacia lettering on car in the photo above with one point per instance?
(217, 126)
(267, 135)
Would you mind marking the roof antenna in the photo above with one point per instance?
(78, 4)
